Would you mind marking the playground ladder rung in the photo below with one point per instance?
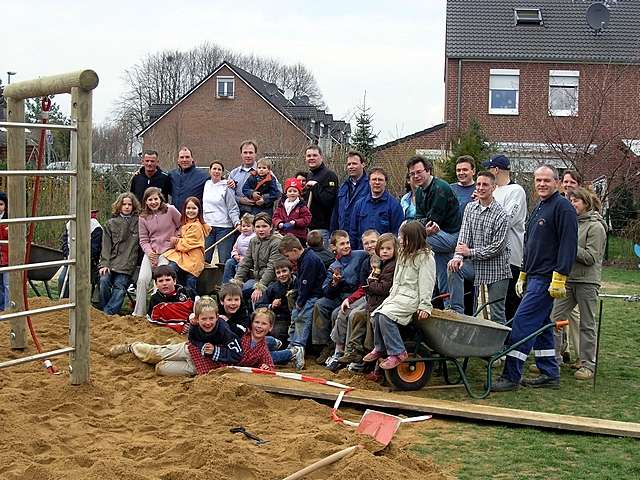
(49, 126)
(37, 311)
(49, 218)
(37, 173)
(36, 266)
(38, 356)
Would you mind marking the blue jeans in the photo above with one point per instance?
(386, 335)
(301, 320)
(230, 268)
(113, 288)
(532, 314)
(4, 291)
(456, 285)
(443, 245)
(224, 248)
(498, 291)
(322, 319)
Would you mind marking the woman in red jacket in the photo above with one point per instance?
(292, 216)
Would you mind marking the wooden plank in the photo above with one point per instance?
(17, 198)
(80, 236)
(470, 411)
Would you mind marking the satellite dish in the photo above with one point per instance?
(598, 16)
(288, 93)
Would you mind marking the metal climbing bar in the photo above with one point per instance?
(37, 356)
(36, 173)
(37, 311)
(50, 218)
(35, 126)
(36, 266)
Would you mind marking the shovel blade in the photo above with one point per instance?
(378, 425)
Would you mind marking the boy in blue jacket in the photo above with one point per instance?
(342, 280)
(275, 298)
(310, 275)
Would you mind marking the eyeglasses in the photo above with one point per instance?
(415, 173)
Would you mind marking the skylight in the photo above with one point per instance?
(528, 16)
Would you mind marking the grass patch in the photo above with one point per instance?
(489, 451)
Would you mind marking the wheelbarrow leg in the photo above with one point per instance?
(46, 287)
(34, 288)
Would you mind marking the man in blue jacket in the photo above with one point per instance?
(187, 180)
(352, 189)
(550, 247)
(378, 211)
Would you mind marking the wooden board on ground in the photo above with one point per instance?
(471, 411)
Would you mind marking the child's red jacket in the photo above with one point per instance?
(300, 213)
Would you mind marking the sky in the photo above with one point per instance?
(393, 52)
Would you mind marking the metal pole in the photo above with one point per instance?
(595, 369)
(79, 236)
(18, 208)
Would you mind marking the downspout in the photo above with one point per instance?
(458, 94)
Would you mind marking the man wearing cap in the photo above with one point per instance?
(550, 248)
(513, 199)
(377, 211)
(351, 190)
(438, 210)
(187, 180)
(150, 175)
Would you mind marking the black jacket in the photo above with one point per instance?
(239, 322)
(323, 197)
(140, 182)
(226, 347)
(277, 290)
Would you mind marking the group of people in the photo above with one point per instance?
(339, 268)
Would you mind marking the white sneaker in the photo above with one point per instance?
(119, 349)
(298, 357)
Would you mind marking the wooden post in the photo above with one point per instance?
(80, 236)
(39, 87)
(17, 208)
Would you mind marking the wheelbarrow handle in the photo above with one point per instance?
(232, 232)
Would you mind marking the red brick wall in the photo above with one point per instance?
(214, 128)
(533, 123)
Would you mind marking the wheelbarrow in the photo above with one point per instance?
(43, 254)
(450, 337)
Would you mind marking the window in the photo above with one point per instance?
(528, 16)
(225, 87)
(563, 93)
(504, 86)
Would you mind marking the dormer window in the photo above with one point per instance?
(225, 87)
(528, 16)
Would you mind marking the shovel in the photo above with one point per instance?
(378, 425)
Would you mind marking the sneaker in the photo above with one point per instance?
(278, 344)
(541, 381)
(583, 373)
(332, 362)
(298, 356)
(503, 384)
(119, 349)
(534, 369)
(350, 356)
(357, 367)
(372, 356)
(577, 365)
(325, 353)
(393, 361)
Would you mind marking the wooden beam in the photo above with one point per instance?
(80, 236)
(17, 198)
(470, 411)
(85, 79)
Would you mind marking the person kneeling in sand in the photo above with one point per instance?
(211, 345)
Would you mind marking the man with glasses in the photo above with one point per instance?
(438, 210)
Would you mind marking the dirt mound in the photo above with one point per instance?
(131, 424)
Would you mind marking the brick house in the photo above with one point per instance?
(544, 86)
(231, 105)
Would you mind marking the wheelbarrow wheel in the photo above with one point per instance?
(410, 375)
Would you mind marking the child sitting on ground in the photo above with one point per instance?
(262, 188)
(360, 333)
(187, 250)
(171, 304)
(413, 282)
(341, 281)
(316, 243)
(276, 299)
(211, 345)
(119, 252)
(255, 345)
(355, 302)
(239, 249)
(292, 216)
(308, 285)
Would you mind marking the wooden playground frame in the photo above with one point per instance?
(80, 85)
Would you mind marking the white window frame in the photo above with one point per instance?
(225, 80)
(571, 79)
(497, 72)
